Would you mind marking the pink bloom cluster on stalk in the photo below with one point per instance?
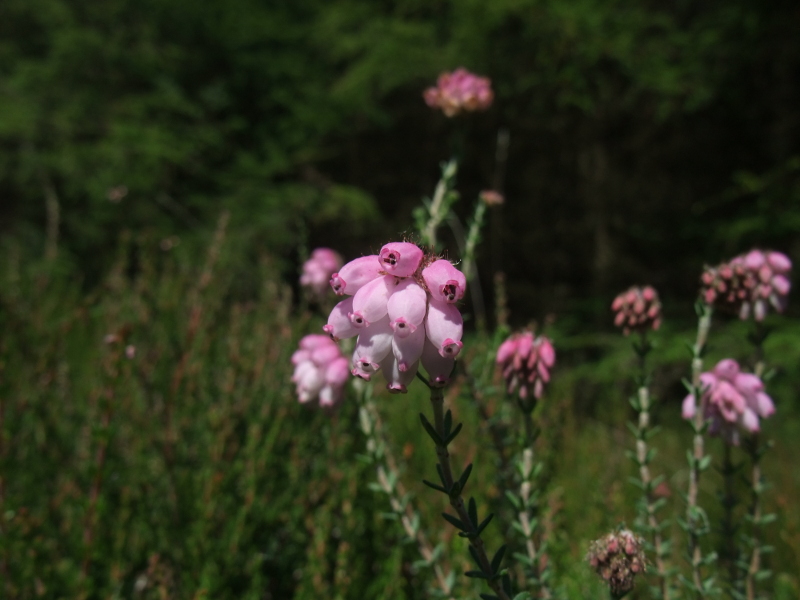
(402, 307)
(320, 370)
(618, 558)
(317, 270)
(638, 309)
(526, 362)
(460, 91)
(731, 400)
(749, 283)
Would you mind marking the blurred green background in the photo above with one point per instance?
(165, 167)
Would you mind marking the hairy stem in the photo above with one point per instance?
(755, 514)
(692, 508)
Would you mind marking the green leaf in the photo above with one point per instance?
(437, 439)
(472, 510)
(462, 481)
(483, 525)
(438, 488)
(448, 422)
(498, 558)
(453, 435)
(477, 574)
(454, 521)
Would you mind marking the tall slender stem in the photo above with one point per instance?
(692, 508)
(755, 514)
(456, 499)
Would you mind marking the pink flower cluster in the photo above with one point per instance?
(402, 307)
(317, 270)
(618, 558)
(749, 283)
(320, 370)
(526, 362)
(460, 91)
(731, 400)
(638, 309)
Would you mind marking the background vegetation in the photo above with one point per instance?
(166, 165)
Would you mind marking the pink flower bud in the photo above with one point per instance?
(780, 262)
(407, 306)
(444, 327)
(689, 407)
(400, 259)
(437, 366)
(355, 274)
(373, 344)
(781, 285)
(370, 302)
(397, 379)
(339, 326)
(407, 349)
(445, 282)
(754, 259)
(727, 369)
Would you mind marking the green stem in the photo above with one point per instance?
(692, 508)
(754, 565)
(457, 500)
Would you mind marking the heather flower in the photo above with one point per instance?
(730, 400)
(749, 284)
(460, 91)
(526, 361)
(618, 557)
(320, 370)
(403, 313)
(637, 309)
(317, 270)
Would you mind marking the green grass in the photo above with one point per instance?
(189, 470)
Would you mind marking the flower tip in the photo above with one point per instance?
(451, 348)
(358, 320)
(396, 388)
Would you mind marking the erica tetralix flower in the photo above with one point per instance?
(526, 362)
(460, 91)
(402, 308)
(317, 270)
(320, 370)
(637, 309)
(618, 557)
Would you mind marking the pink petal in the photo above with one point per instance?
(397, 380)
(506, 350)
(339, 326)
(750, 420)
(355, 274)
(689, 407)
(780, 262)
(400, 259)
(764, 405)
(546, 351)
(374, 343)
(438, 367)
(781, 284)
(444, 327)
(407, 306)
(370, 303)
(445, 282)
(407, 349)
(727, 369)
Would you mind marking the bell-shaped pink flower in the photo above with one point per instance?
(356, 274)
(318, 366)
(400, 259)
(445, 282)
(525, 362)
(730, 400)
(407, 307)
(397, 379)
(407, 349)
(637, 309)
(370, 303)
(317, 270)
(438, 367)
(372, 347)
(444, 327)
(339, 326)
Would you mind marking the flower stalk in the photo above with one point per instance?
(696, 519)
(435, 211)
(466, 520)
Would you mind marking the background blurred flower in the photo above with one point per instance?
(317, 271)
(320, 370)
(637, 309)
(731, 401)
(526, 362)
(460, 91)
(618, 557)
(749, 284)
